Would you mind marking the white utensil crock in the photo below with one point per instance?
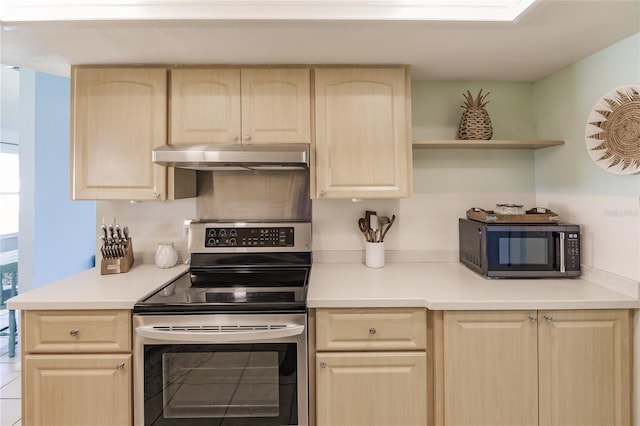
(374, 254)
(166, 256)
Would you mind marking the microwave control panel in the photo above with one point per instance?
(249, 237)
(573, 251)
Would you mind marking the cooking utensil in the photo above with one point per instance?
(383, 221)
(373, 225)
(393, 219)
(364, 228)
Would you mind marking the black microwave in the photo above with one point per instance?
(502, 250)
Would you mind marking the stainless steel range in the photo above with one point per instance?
(226, 343)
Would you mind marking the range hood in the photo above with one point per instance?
(233, 157)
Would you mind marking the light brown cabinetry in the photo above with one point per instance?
(77, 368)
(537, 368)
(118, 116)
(370, 367)
(363, 133)
(248, 106)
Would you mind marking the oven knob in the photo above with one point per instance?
(223, 233)
(211, 242)
(232, 241)
(233, 233)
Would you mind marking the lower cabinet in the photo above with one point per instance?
(77, 368)
(80, 390)
(536, 368)
(370, 367)
(371, 388)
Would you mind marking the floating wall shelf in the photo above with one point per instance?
(482, 144)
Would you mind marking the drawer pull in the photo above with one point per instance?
(372, 330)
(120, 366)
(74, 332)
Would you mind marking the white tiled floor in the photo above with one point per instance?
(10, 411)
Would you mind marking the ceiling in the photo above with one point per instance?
(549, 36)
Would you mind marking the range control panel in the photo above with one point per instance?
(249, 237)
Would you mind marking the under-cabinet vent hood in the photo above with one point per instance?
(233, 157)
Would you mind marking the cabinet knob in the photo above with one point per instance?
(74, 332)
(120, 366)
(233, 137)
(246, 137)
(548, 317)
(533, 317)
(323, 364)
(323, 193)
(156, 195)
(372, 330)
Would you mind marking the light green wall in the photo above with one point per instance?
(436, 111)
(562, 103)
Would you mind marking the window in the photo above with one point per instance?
(9, 188)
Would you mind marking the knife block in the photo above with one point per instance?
(118, 265)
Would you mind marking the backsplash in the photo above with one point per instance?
(426, 227)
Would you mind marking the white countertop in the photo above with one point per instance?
(450, 286)
(90, 290)
(437, 286)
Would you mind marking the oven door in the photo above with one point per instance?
(525, 251)
(220, 370)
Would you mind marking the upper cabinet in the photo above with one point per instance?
(363, 133)
(248, 106)
(118, 117)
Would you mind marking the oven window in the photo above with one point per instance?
(221, 384)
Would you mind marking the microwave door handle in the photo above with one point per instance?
(200, 335)
(563, 268)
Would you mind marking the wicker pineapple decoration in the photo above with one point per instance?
(475, 122)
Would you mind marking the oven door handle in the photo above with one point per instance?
(209, 335)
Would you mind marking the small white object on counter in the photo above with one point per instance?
(374, 254)
(166, 256)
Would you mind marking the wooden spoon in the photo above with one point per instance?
(382, 222)
(393, 219)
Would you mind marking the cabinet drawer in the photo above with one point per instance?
(371, 329)
(77, 331)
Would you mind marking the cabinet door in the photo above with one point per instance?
(205, 106)
(118, 117)
(77, 390)
(371, 389)
(276, 106)
(585, 368)
(363, 140)
(490, 369)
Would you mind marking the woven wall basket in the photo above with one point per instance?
(612, 134)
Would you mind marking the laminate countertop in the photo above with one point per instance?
(451, 286)
(90, 290)
(437, 286)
